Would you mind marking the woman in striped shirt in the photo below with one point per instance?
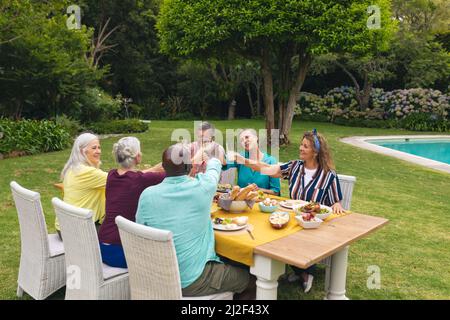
(312, 178)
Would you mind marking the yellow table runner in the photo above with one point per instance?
(239, 246)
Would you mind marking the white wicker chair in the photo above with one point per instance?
(347, 183)
(153, 264)
(228, 176)
(91, 279)
(42, 268)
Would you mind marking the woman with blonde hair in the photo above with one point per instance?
(123, 189)
(311, 178)
(83, 181)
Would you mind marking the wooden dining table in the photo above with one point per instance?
(308, 247)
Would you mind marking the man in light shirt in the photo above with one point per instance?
(182, 204)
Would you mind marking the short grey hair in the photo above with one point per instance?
(205, 125)
(126, 150)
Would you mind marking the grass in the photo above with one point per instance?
(412, 251)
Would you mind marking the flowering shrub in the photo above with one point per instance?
(401, 103)
(339, 105)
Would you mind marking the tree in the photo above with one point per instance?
(44, 69)
(137, 68)
(423, 15)
(421, 60)
(363, 71)
(414, 58)
(272, 32)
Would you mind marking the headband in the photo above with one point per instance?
(316, 139)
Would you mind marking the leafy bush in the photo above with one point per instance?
(118, 126)
(401, 103)
(413, 109)
(153, 108)
(366, 123)
(95, 106)
(182, 116)
(424, 122)
(72, 126)
(32, 136)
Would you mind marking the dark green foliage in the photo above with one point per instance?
(32, 136)
(367, 123)
(137, 68)
(72, 126)
(424, 122)
(44, 69)
(95, 105)
(118, 126)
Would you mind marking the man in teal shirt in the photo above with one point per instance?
(246, 175)
(182, 204)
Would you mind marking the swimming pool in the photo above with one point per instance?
(432, 151)
(435, 149)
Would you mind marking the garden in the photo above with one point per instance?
(146, 68)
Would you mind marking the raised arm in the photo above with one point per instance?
(271, 170)
(156, 168)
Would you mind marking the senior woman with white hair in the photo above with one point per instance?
(123, 189)
(83, 181)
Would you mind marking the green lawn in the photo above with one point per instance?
(413, 250)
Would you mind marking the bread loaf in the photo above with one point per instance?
(245, 191)
(234, 192)
(252, 195)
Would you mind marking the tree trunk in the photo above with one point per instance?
(19, 107)
(258, 96)
(281, 111)
(250, 100)
(364, 96)
(231, 109)
(304, 63)
(287, 51)
(268, 93)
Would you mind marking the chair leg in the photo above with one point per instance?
(19, 291)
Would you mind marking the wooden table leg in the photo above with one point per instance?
(267, 272)
(338, 276)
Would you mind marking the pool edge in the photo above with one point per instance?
(360, 141)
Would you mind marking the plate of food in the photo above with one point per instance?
(289, 204)
(224, 188)
(279, 219)
(230, 224)
(268, 205)
(308, 220)
(318, 210)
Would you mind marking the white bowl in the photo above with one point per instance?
(321, 216)
(238, 206)
(309, 224)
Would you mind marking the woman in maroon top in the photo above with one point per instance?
(123, 189)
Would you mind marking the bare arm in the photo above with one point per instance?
(271, 170)
(156, 168)
(268, 191)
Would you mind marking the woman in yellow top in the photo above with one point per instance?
(84, 183)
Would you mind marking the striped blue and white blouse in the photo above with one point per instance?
(323, 188)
